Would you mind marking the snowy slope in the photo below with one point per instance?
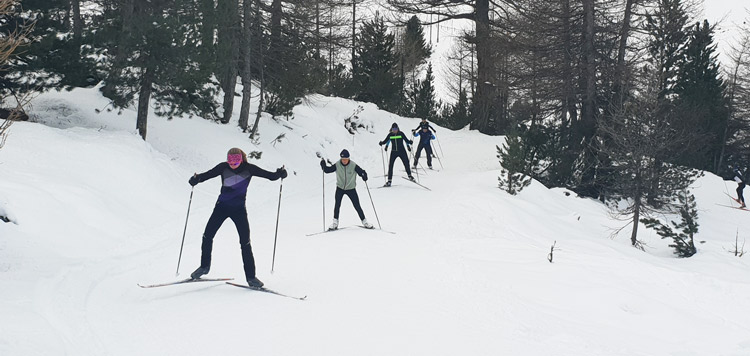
(96, 211)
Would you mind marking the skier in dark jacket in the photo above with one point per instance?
(739, 177)
(346, 184)
(425, 136)
(424, 125)
(398, 151)
(235, 174)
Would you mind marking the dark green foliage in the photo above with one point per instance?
(513, 157)
(666, 26)
(55, 57)
(701, 98)
(683, 238)
(375, 70)
(423, 94)
(153, 48)
(413, 50)
(457, 116)
(300, 72)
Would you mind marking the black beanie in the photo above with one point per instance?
(394, 126)
(344, 154)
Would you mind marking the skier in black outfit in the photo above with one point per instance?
(398, 151)
(740, 179)
(235, 174)
(346, 184)
(424, 125)
(425, 136)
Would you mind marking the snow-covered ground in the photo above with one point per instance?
(96, 210)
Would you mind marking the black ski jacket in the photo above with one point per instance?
(398, 139)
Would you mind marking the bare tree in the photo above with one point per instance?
(735, 144)
(477, 11)
(642, 135)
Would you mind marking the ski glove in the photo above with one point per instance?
(381, 143)
(281, 172)
(193, 180)
(364, 176)
(322, 163)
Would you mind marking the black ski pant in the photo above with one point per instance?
(428, 150)
(352, 194)
(404, 158)
(239, 217)
(740, 188)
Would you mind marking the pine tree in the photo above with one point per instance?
(666, 27)
(154, 47)
(512, 157)
(683, 240)
(425, 105)
(456, 116)
(413, 49)
(642, 138)
(58, 55)
(375, 69)
(701, 98)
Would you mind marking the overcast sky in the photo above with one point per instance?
(731, 13)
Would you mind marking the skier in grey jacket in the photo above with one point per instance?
(346, 184)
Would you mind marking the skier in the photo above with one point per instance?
(424, 142)
(740, 179)
(422, 125)
(398, 151)
(235, 174)
(346, 184)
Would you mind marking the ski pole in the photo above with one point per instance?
(373, 205)
(324, 201)
(177, 273)
(439, 160)
(441, 152)
(276, 234)
(385, 175)
(416, 170)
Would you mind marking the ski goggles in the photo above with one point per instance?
(234, 159)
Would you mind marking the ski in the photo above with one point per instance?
(373, 228)
(415, 182)
(733, 198)
(733, 207)
(323, 232)
(266, 290)
(189, 280)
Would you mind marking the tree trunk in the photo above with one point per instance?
(144, 96)
(587, 125)
(274, 53)
(570, 110)
(354, 35)
(483, 101)
(229, 48)
(617, 87)
(77, 21)
(261, 65)
(636, 217)
(588, 104)
(246, 71)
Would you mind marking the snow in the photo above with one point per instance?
(95, 210)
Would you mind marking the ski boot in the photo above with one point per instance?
(199, 272)
(334, 225)
(254, 283)
(366, 224)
